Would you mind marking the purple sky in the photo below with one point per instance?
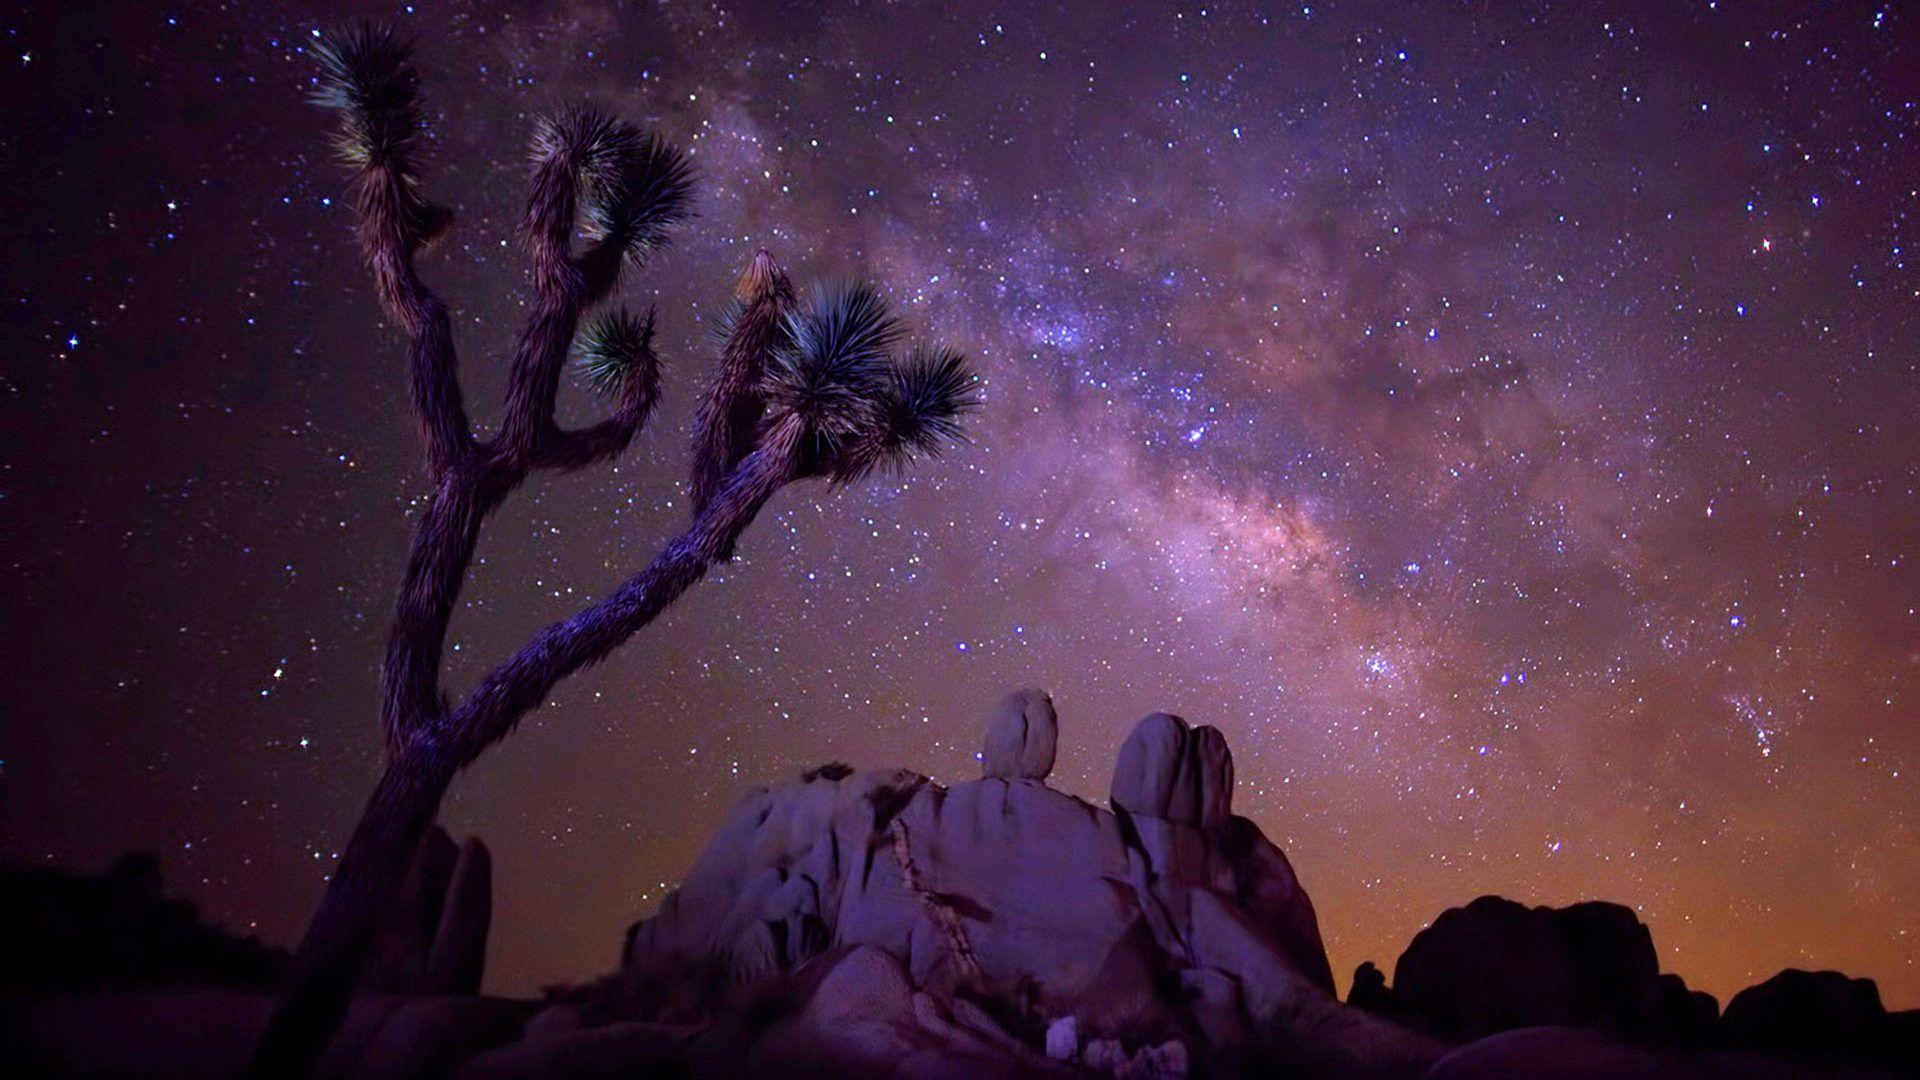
(1497, 419)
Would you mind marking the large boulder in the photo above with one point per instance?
(1169, 770)
(434, 940)
(1151, 763)
(1818, 1013)
(1021, 738)
(863, 1016)
(1561, 1053)
(1496, 965)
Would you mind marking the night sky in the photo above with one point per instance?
(1499, 420)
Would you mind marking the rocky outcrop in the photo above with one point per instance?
(1821, 1014)
(1165, 919)
(435, 940)
(1523, 987)
(1496, 965)
(1168, 770)
(77, 931)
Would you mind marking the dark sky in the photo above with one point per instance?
(1498, 419)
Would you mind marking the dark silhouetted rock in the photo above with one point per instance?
(1369, 990)
(61, 930)
(1022, 737)
(1685, 1018)
(1496, 965)
(197, 1031)
(1820, 1014)
(435, 939)
(458, 958)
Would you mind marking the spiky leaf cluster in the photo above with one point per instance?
(860, 408)
(636, 186)
(614, 350)
(725, 322)
(367, 74)
(915, 415)
(832, 369)
(928, 394)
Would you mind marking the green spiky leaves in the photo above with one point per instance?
(614, 353)
(832, 369)
(930, 391)
(861, 408)
(367, 74)
(635, 204)
(595, 143)
(631, 185)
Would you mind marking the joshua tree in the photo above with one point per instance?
(806, 388)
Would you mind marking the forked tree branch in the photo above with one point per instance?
(522, 683)
(802, 392)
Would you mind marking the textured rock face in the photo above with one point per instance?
(1167, 919)
(1168, 770)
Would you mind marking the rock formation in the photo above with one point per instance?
(1166, 921)
(872, 922)
(76, 931)
(1821, 1014)
(1496, 965)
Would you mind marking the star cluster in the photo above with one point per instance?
(1498, 420)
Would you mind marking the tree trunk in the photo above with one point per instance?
(326, 967)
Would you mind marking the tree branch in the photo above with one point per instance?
(633, 187)
(436, 571)
(729, 414)
(559, 287)
(432, 367)
(367, 76)
(523, 682)
(570, 451)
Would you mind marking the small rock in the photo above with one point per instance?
(1063, 1039)
(1169, 1059)
(554, 1020)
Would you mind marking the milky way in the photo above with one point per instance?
(1498, 420)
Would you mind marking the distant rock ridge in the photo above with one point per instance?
(1495, 965)
(873, 922)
